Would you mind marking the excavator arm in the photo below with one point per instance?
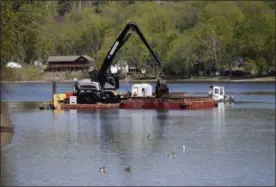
(102, 76)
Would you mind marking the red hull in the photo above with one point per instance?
(177, 100)
(170, 103)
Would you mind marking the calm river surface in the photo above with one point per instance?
(229, 145)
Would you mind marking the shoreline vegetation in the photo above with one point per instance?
(30, 74)
(191, 38)
(195, 80)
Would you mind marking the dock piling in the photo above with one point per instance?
(54, 89)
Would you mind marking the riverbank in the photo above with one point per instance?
(201, 79)
(6, 127)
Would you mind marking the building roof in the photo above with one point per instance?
(88, 58)
(68, 58)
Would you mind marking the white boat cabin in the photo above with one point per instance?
(141, 90)
(217, 93)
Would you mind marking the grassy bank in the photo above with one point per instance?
(29, 74)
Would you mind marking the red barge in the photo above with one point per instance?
(187, 102)
(173, 100)
(176, 101)
(141, 97)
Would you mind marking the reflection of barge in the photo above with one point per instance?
(89, 106)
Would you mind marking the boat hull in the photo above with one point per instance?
(170, 103)
(191, 103)
(89, 106)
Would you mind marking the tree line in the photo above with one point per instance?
(190, 37)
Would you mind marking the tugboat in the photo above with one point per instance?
(218, 94)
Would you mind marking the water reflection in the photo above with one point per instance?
(127, 132)
(73, 123)
(129, 137)
(59, 125)
(68, 147)
(219, 124)
(124, 133)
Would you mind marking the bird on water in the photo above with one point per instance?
(102, 169)
(171, 154)
(128, 169)
(183, 148)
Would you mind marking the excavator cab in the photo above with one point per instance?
(161, 88)
(113, 82)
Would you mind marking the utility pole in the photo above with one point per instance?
(218, 62)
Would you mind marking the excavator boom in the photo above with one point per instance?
(120, 41)
(96, 90)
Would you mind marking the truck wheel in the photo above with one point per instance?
(108, 95)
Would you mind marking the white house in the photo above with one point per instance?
(37, 63)
(121, 65)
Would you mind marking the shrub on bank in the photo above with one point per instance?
(9, 74)
(26, 73)
(33, 73)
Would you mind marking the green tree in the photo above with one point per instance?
(257, 35)
(182, 54)
(22, 24)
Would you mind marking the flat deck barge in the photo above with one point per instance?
(168, 103)
(89, 106)
(179, 103)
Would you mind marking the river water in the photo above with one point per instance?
(228, 145)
